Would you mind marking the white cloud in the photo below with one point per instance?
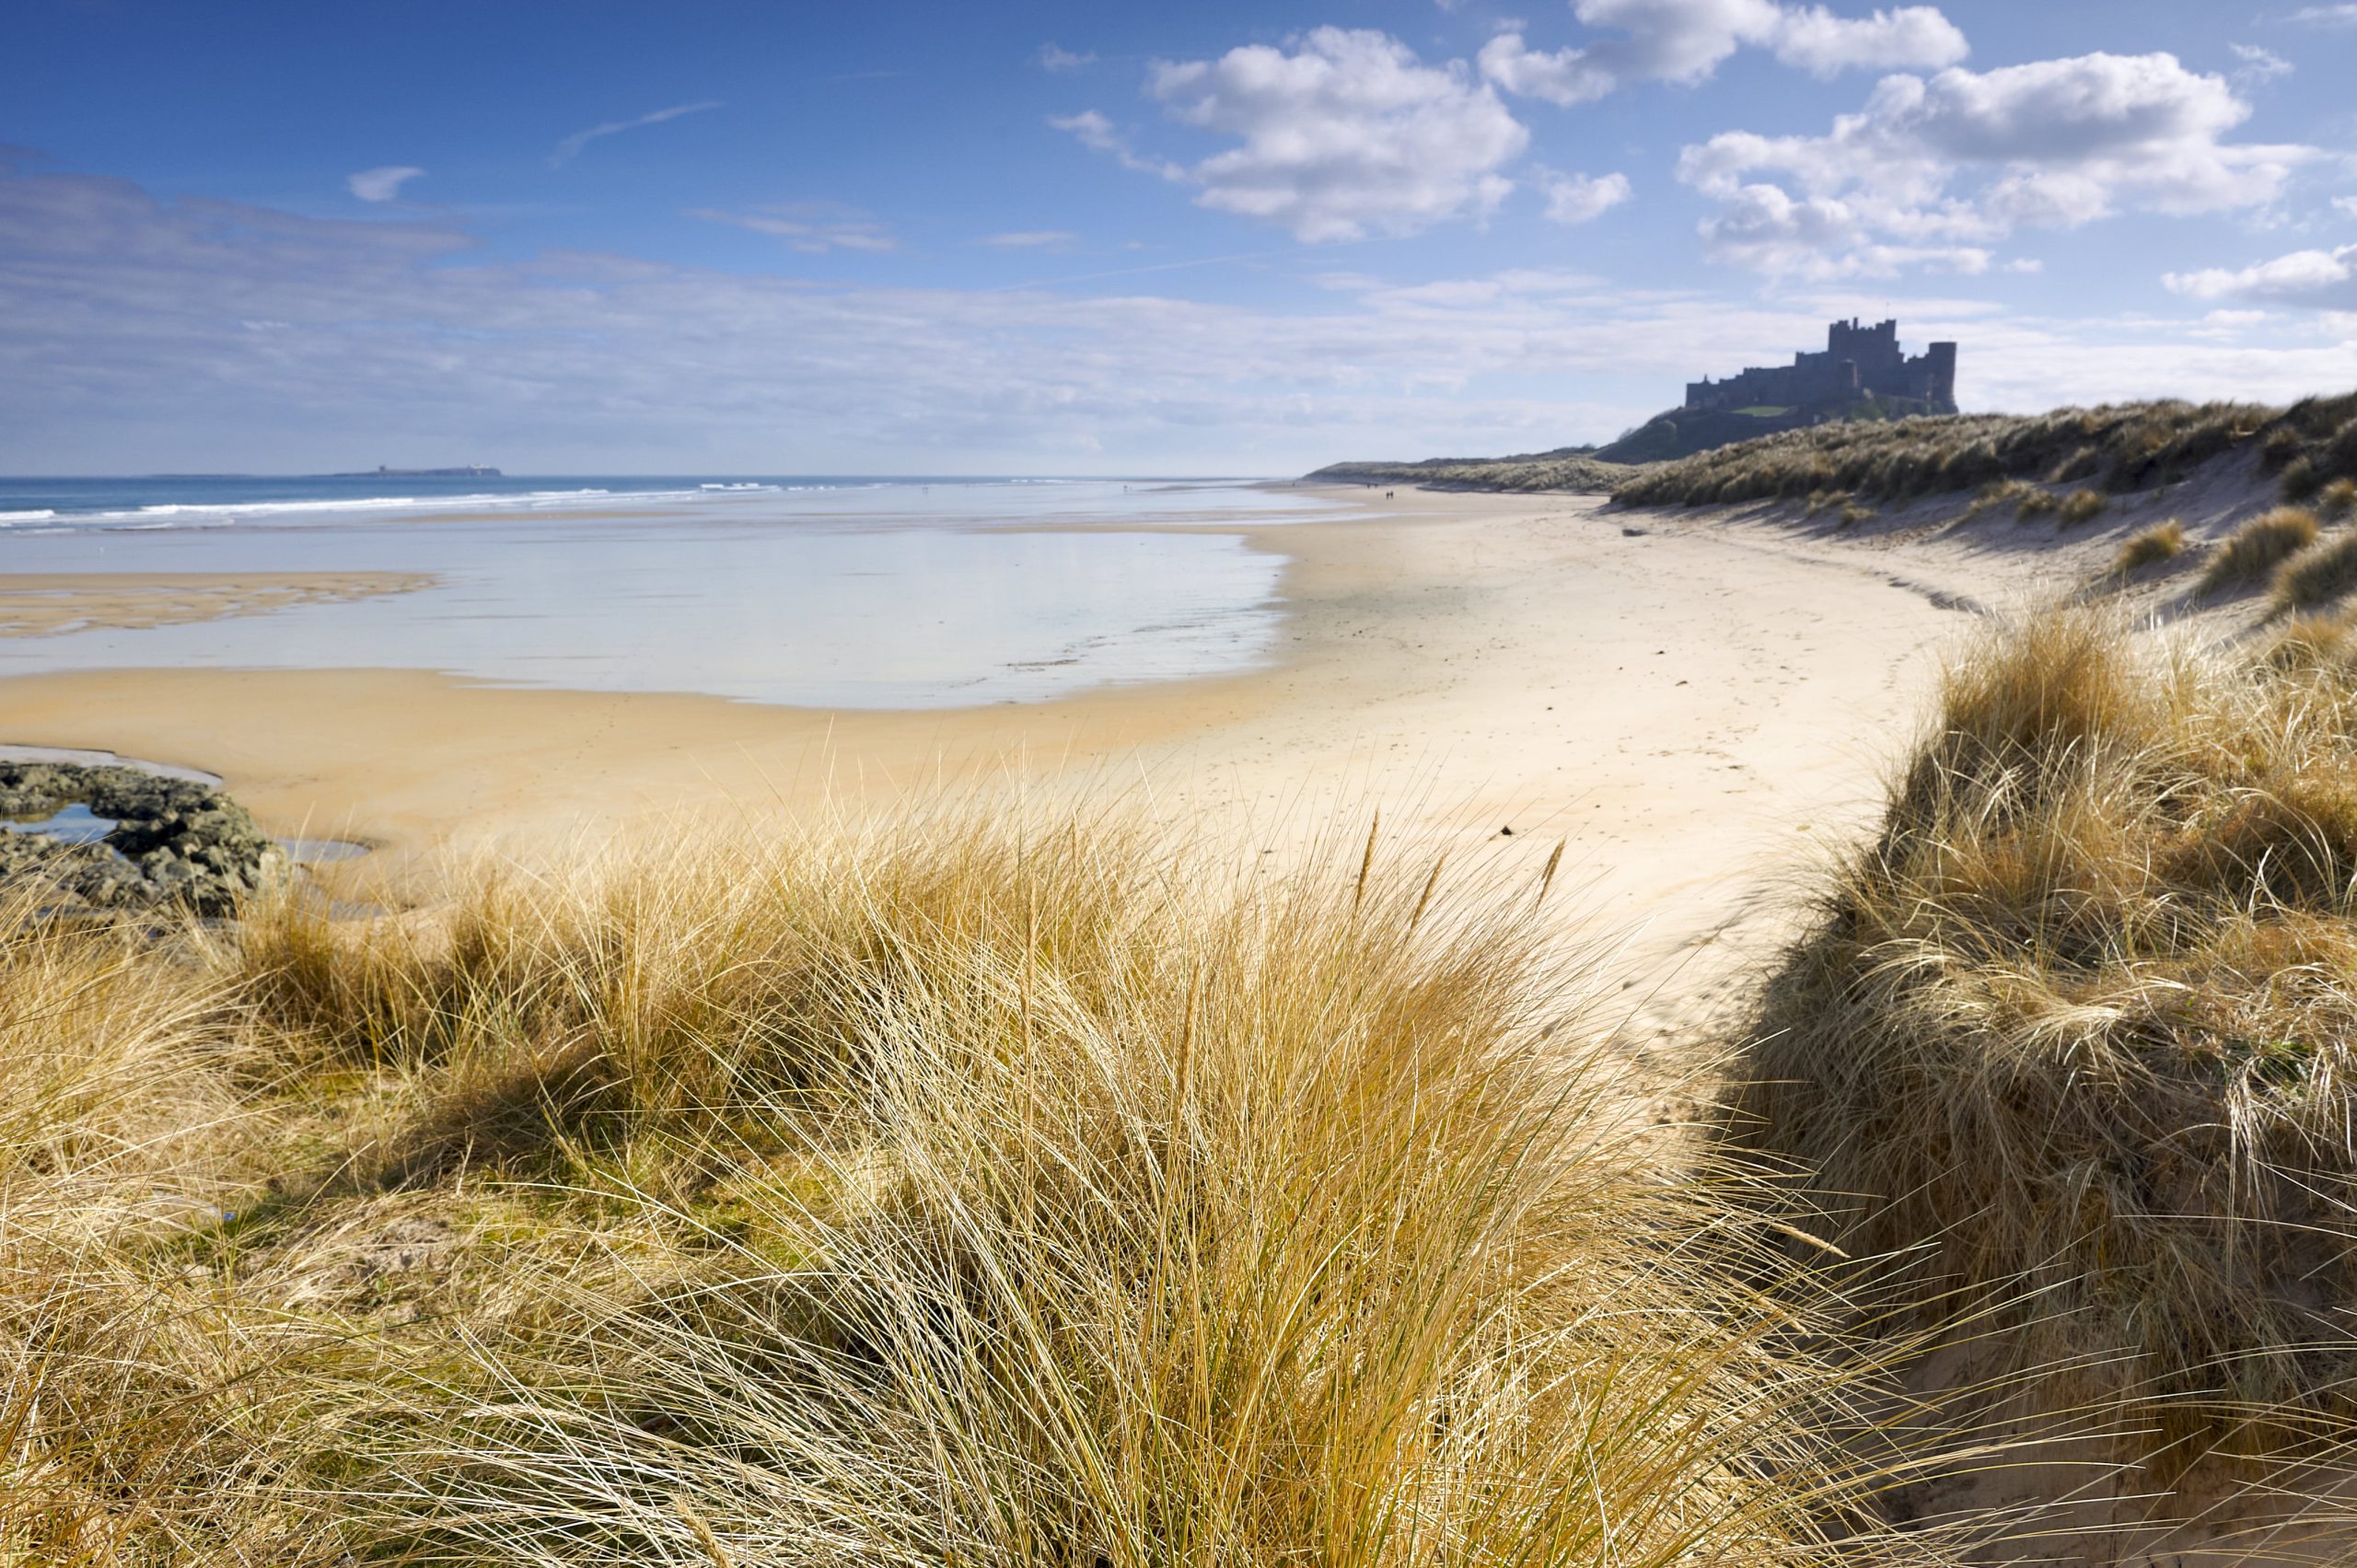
(1054, 59)
(1766, 228)
(1346, 134)
(2229, 326)
(1947, 166)
(570, 148)
(381, 184)
(1563, 76)
(1686, 41)
(124, 338)
(1032, 239)
(1576, 198)
(1100, 134)
(2304, 277)
(811, 227)
(2258, 65)
(2326, 16)
(1818, 41)
(2345, 205)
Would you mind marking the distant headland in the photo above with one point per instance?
(469, 471)
(1860, 374)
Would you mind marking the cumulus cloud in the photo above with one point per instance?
(1764, 228)
(812, 228)
(1576, 198)
(1937, 169)
(570, 148)
(2325, 16)
(1686, 41)
(381, 184)
(2304, 277)
(1341, 134)
(1054, 59)
(1563, 76)
(1819, 42)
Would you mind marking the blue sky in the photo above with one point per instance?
(1068, 238)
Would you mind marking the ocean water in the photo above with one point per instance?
(829, 592)
(167, 501)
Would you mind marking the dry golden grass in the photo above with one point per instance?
(2125, 447)
(2338, 499)
(1041, 1193)
(2079, 507)
(1028, 1194)
(2077, 1026)
(126, 1412)
(2318, 575)
(2163, 541)
(1572, 469)
(2028, 499)
(2258, 547)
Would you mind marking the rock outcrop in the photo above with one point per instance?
(173, 841)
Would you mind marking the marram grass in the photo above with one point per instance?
(2075, 1031)
(2011, 458)
(1035, 1194)
(2163, 541)
(2258, 547)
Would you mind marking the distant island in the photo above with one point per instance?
(470, 470)
(1860, 374)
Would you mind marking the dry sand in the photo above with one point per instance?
(1691, 704)
(1701, 705)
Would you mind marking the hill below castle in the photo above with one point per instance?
(1861, 374)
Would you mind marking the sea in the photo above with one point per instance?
(820, 591)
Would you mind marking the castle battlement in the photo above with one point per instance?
(1857, 362)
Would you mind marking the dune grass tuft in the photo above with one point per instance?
(2318, 575)
(1022, 1194)
(2258, 547)
(2080, 505)
(2077, 1026)
(2163, 541)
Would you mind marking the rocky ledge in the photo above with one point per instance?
(174, 841)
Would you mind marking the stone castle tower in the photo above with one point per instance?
(1857, 361)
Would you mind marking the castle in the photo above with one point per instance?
(1858, 361)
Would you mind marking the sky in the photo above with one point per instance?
(1098, 238)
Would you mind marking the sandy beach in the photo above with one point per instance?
(34, 604)
(1689, 705)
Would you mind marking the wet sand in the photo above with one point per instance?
(1685, 707)
(35, 604)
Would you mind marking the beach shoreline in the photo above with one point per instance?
(1682, 707)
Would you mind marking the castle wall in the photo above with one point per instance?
(1856, 360)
